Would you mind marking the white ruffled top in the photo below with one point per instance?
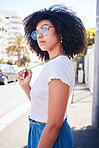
(59, 68)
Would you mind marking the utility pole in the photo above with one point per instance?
(95, 107)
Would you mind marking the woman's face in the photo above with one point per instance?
(47, 41)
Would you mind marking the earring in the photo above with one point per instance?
(61, 39)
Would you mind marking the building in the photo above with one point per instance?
(3, 37)
(13, 21)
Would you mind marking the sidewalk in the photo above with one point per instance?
(80, 116)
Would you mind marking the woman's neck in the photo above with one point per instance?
(54, 52)
(60, 53)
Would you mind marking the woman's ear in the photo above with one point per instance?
(60, 36)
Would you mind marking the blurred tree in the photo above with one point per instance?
(90, 36)
(1, 61)
(17, 47)
(25, 61)
(90, 41)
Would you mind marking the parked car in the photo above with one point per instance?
(16, 68)
(7, 73)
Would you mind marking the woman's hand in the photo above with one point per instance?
(24, 77)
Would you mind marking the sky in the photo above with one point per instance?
(85, 9)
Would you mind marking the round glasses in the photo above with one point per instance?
(43, 30)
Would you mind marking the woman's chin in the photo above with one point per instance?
(43, 49)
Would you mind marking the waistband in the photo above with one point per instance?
(36, 123)
(42, 124)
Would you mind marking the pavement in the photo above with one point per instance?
(79, 118)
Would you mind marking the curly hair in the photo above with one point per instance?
(65, 22)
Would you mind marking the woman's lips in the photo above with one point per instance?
(41, 42)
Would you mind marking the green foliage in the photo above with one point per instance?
(10, 63)
(5, 62)
(90, 36)
(25, 61)
(1, 61)
(90, 42)
(17, 47)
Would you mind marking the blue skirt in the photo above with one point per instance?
(64, 139)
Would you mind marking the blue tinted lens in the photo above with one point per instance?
(34, 35)
(44, 30)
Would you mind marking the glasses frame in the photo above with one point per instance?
(35, 37)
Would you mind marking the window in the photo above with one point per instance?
(14, 28)
(3, 29)
(14, 17)
(15, 22)
(6, 68)
(7, 17)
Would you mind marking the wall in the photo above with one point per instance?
(89, 68)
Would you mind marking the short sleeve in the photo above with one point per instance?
(60, 71)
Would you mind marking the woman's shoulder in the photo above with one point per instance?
(60, 61)
(61, 68)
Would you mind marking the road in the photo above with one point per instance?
(14, 110)
(13, 102)
(14, 105)
(12, 96)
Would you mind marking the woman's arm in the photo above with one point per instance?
(24, 78)
(58, 98)
(27, 91)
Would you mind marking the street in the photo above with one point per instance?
(12, 96)
(13, 102)
(14, 106)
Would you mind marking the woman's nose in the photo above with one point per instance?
(39, 35)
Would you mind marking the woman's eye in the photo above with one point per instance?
(44, 29)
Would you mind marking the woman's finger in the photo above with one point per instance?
(24, 73)
(19, 75)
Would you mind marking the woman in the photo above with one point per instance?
(55, 35)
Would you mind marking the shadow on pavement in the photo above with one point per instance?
(82, 98)
(87, 137)
(81, 94)
(76, 89)
(25, 146)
